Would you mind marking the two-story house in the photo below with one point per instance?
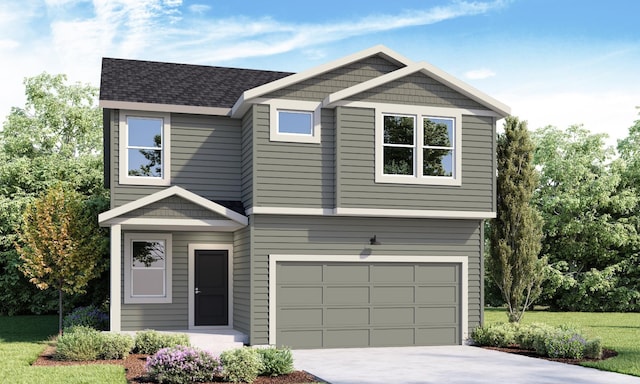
(342, 206)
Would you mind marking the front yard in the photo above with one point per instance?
(618, 331)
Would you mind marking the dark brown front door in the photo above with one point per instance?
(211, 288)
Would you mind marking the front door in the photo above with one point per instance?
(211, 288)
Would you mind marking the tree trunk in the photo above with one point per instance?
(60, 311)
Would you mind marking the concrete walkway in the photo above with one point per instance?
(450, 365)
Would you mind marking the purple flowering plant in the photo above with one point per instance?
(182, 365)
(89, 316)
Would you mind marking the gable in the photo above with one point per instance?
(417, 89)
(174, 207)
(348, 75)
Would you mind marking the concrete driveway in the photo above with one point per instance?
(451, 364)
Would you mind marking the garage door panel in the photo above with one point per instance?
(385, 273)
(436, 336)
(346, 273)
(390, 337)
(436, 316)
(437, 273)
(437, 294)
(299, 273)
(393, 316)
(341, 338)
(300, 295)
(300, 317)
(302, 338)
(346, 295)
(346, 316)
(392, 295)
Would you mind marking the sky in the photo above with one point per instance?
(553, 62)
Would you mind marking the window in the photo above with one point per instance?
(147, 268)
(294, 121)
(144, 148)
(417, 148)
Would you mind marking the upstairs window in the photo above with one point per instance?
(294, 121)
(144, 149)
(417, 148)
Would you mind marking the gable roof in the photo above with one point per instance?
(105, 218)
(211, 89)
(429, 70)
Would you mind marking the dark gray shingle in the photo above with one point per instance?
(178, 84)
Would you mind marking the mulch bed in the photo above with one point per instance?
(136, 374)
(606, 354)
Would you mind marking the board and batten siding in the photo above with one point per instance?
(293, 174)
(304, 235)
(174, 315)
(242, 280)
(205, 159)
(318, 87)
(356, 169)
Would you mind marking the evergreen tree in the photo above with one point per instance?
(516, 232)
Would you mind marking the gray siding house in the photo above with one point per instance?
(337, 207)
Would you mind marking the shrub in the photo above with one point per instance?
(241, 365)
(150, 341)
(495, 335)
(593, 349)
(90, 316)
(565, 344)
(276, 361)
(79, 344)
(529, 336)
(181, 364)
(115, 346)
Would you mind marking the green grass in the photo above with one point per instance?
(23, 338)
(618, 331)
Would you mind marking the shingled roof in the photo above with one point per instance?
(178, 84)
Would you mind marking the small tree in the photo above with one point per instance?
(60, 243)
(516, 231)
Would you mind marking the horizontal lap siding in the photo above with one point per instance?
(242, 280)
(174, 315)
(356, 169)
(350, 236)
(247, 159)
(205, 159)
(417, 89)
(293, 174)
(318, 87)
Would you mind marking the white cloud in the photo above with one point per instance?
(8, 44)
(199, 8)
(479, 74)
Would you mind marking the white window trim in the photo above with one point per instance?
(276, 105)
(128, 240)
(124, 177)
(418, 112)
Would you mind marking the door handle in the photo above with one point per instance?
(197, 291)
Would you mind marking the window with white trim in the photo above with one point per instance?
(144, 148)
(417, 148)
(147, 268)
(294, 121)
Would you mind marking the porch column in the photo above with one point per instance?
(116, 267)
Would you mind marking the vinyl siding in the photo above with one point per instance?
(318, 87)
(417, 89)
(172, 316)
(242, 280)
(247, 175)
(350, 236)
(174, 207)
(293, 174)
(356, 169)
(205, 159)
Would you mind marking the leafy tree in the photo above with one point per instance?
(590, 220)
(515, 233)
(62, 244)
(55, 138)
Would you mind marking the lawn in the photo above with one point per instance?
(23, 338)
(618, 331)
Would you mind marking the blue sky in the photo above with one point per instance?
(554, 62)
